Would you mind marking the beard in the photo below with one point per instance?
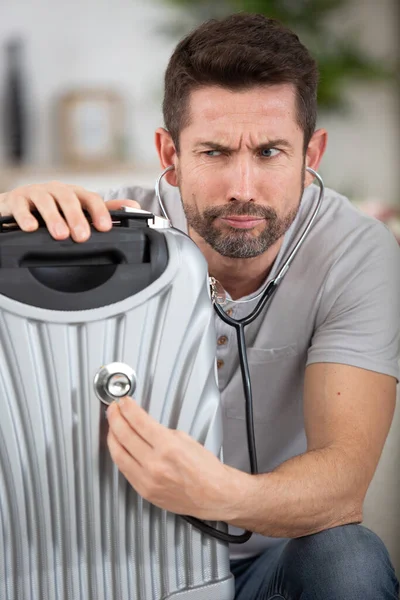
(233, 242)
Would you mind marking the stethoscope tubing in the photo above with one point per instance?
(239, 325)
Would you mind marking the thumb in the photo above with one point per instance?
(116, 204)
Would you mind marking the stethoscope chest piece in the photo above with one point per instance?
(114, 381)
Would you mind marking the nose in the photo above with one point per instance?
(242, 180)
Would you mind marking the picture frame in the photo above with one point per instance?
(91, 127)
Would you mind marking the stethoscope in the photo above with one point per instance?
(219, 300)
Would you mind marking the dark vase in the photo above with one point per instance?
(14, 105)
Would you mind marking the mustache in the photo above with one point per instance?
(240, 209)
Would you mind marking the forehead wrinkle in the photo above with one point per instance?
(254, 142)
(224, 117)
(213, 113)
(227, 127)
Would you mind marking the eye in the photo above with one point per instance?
(213, 153)
(269, 152)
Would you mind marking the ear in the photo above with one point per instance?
(315, 152)
(166, 153)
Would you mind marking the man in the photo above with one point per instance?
(240, 113)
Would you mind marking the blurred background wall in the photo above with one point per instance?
(88, 44)
(123, 46)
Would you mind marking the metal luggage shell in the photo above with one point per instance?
(71, 527)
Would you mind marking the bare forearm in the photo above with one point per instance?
(306, 494)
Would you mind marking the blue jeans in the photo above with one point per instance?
(342, 563)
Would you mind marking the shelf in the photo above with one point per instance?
(105, 175)
(9, 170)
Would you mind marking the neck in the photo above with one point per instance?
(238, 276)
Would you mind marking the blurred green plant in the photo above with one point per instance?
(340, 57)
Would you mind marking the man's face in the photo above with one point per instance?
(240, 167)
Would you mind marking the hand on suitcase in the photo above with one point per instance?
(169, 468)
(50, 198)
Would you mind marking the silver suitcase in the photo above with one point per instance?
(71, 527)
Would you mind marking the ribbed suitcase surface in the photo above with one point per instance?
(71, 527)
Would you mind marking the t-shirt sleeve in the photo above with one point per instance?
(358, 320)
(111, 193)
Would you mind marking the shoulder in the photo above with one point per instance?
(343, 234)
(346, 257)
(355, 274)
(359, 261)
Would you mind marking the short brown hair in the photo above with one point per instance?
(239, 52)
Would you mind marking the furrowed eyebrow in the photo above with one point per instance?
(213, 146)
(278, 143)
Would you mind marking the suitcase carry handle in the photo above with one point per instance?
(29, 250)
(63, 274)
(124, 218)
(97, 250)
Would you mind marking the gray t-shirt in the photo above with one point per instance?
(338, 303)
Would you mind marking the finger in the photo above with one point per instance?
(21, 211)
(117, 204)
(47, 206)
(96, 207)
(71, 206)
(124, 461)
(130, 439)
(139, 420)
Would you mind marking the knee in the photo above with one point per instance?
(350, 561)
